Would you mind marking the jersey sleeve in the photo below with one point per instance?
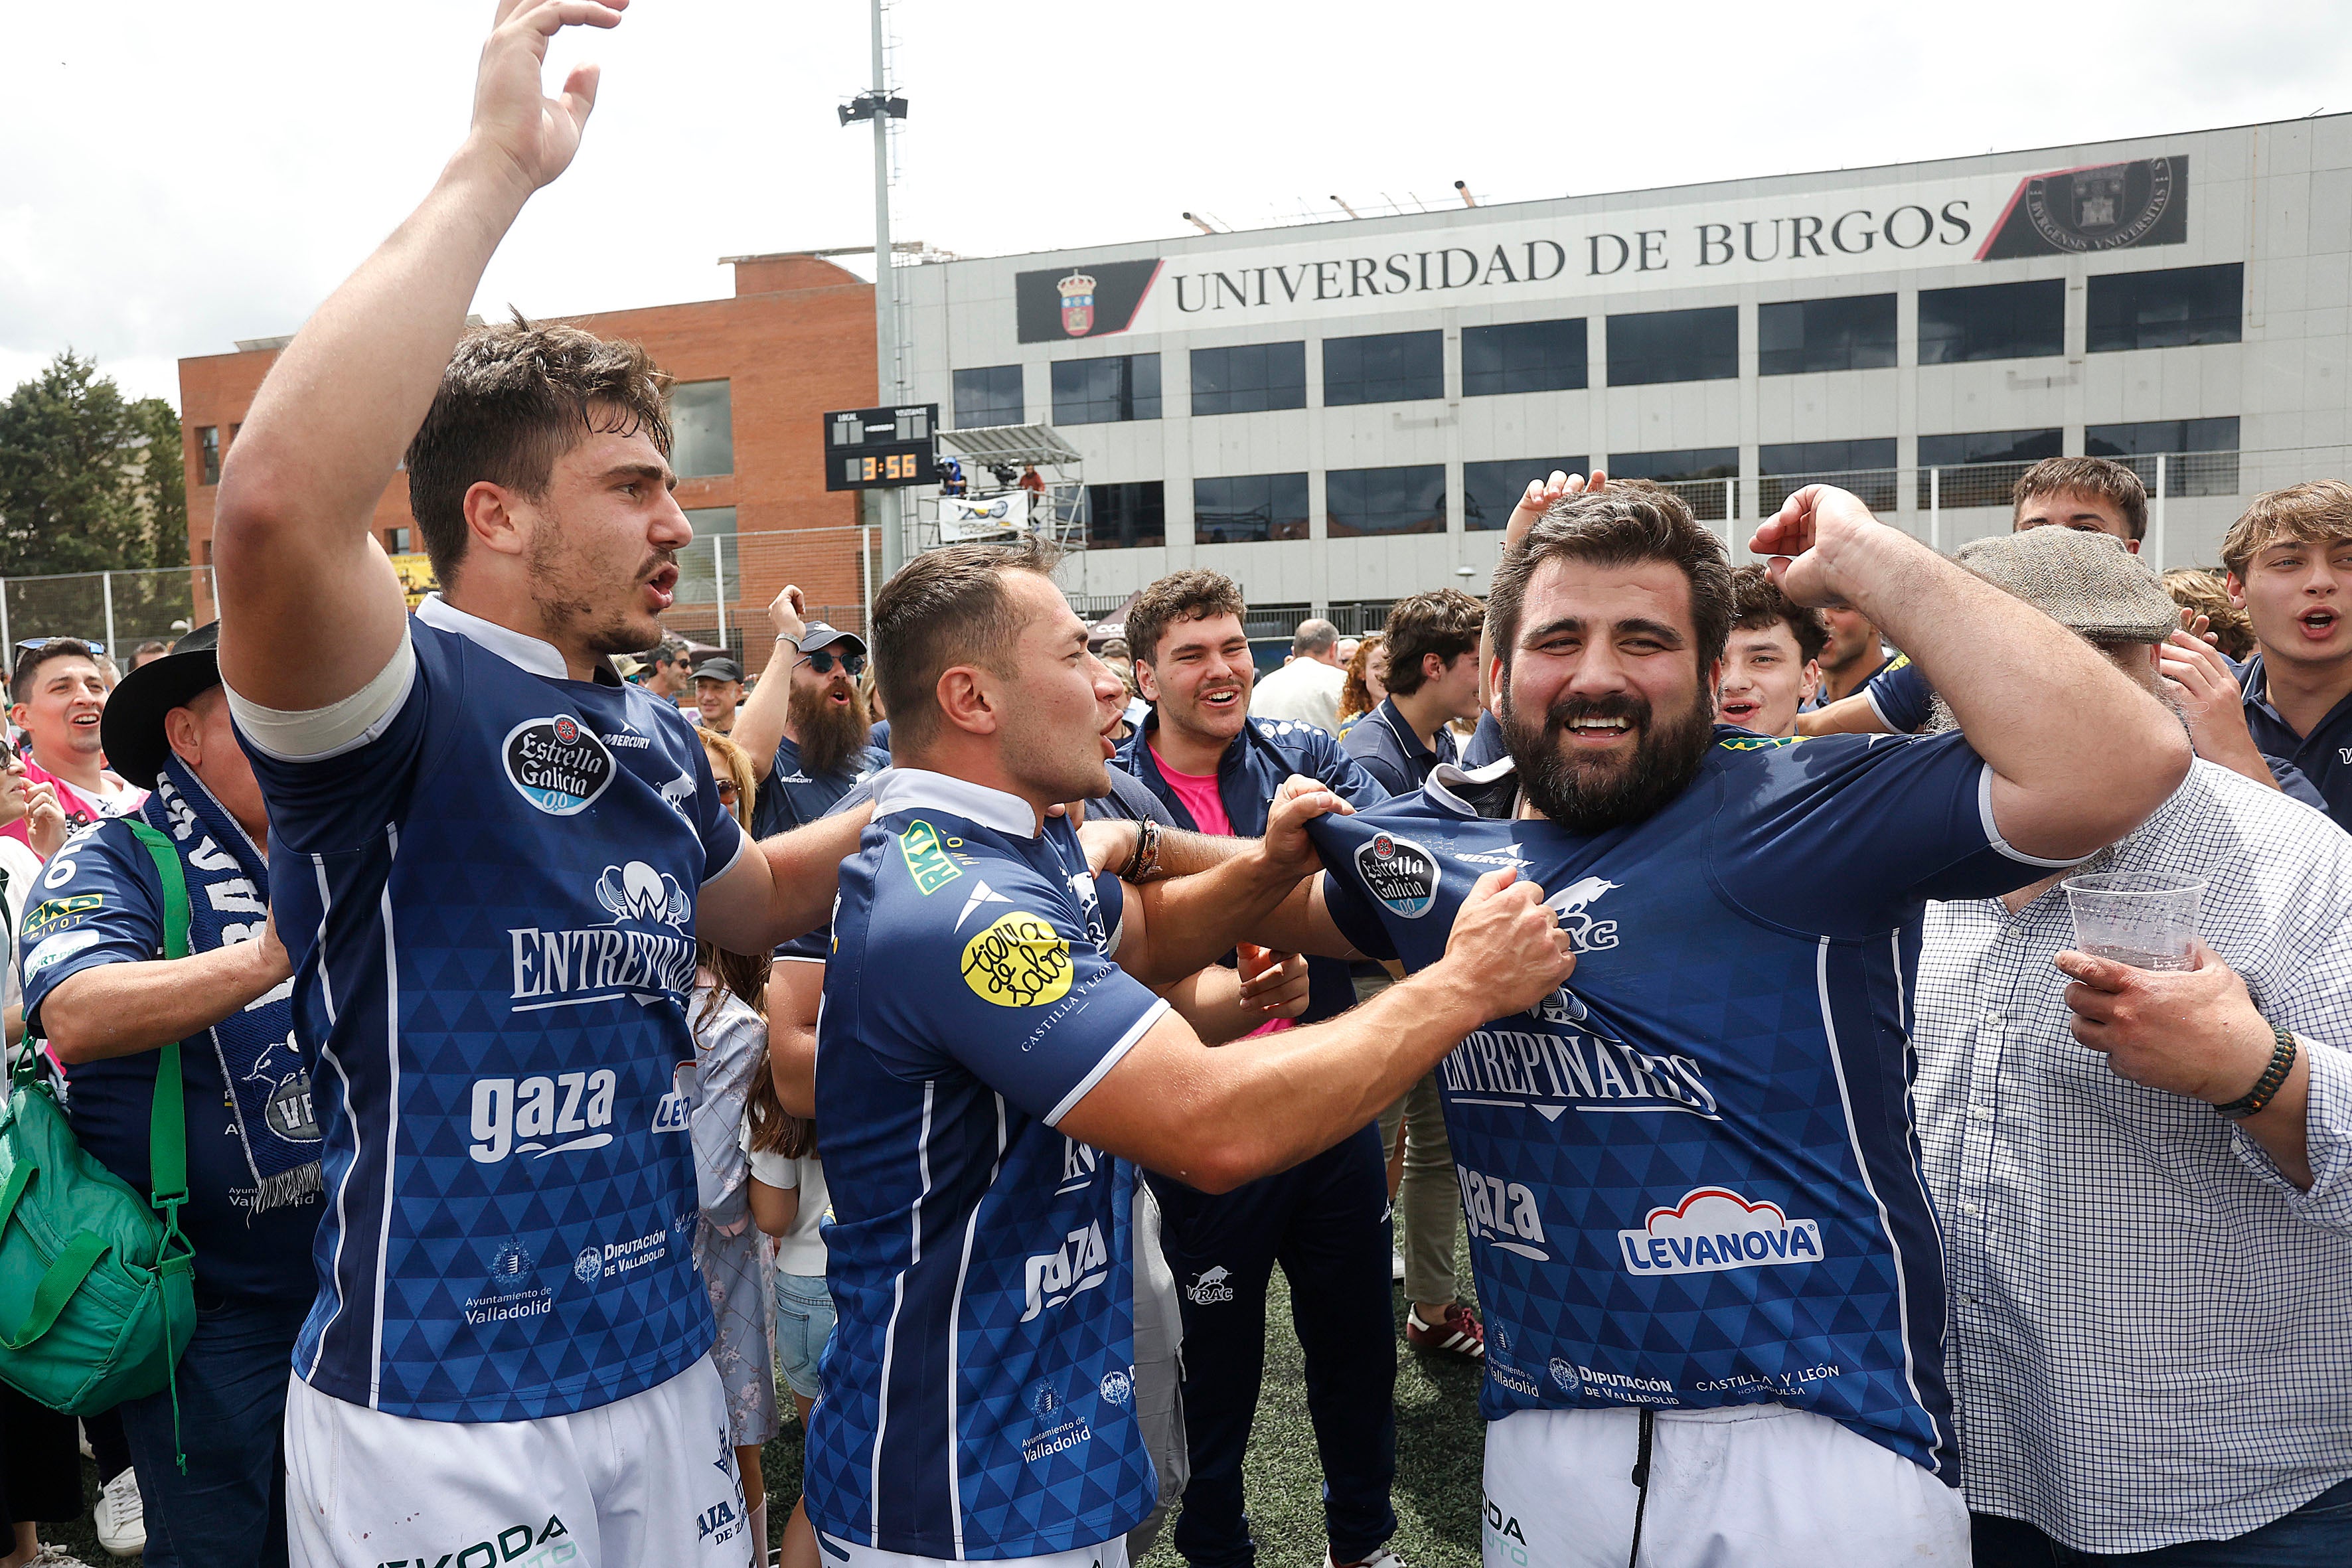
(1013, 988)
(1840, 836)
(1351, 907)
(1901, 697)
(336, 800)
(723, 838)
(93, 904)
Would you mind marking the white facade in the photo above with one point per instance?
(2275, 198)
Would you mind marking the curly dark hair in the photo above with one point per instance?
(1757, 603)
(1193, 595)
(1629, 522)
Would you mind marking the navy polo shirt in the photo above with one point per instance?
(1385, 744)
(2323, 757)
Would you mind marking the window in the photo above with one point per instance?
(1107, 391)
(1383, 367)
(209, 453)
(698, 564)
(1852, 334)
(1864, 466)
(1491, 491)
(702, 430)
(1249, 507)
(1674, 345)
(1522, 356)
(1980, 469)
(395, 541)
(1249, 378)
(2165, 309)
(1359, 502)
(2200, 454)
(990, 395)
(1702, 469)
(1130, 516)
(1993, 321)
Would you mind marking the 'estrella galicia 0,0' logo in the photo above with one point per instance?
(556, 763)
(1400, 873)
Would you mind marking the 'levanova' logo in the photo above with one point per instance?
(556, 763)
(1401, 874)
(1714, 1229)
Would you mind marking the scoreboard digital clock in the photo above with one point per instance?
(878, 448)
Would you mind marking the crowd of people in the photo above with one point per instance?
(1690, 935)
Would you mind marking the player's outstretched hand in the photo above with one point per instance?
(513, 117)
(1298, 802)
(1507, 944)
(1802, 540)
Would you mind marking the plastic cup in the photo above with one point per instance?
(2145, 919)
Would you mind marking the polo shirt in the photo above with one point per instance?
(1384, 744)
(2323, 757)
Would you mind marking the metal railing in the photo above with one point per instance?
(1878, 487)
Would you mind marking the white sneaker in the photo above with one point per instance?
(1381, 1558)
(121, 1517)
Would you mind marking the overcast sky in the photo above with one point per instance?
(180, 176)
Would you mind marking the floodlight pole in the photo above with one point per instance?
(889, 389)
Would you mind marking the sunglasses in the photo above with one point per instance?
(727, 790)
(30, 644)
(821, 662)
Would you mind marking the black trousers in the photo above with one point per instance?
(1327, 1224)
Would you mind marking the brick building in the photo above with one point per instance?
(754, 374)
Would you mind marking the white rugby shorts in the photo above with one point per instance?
(1749, 1485)
(648, 1481)
(834, 1552)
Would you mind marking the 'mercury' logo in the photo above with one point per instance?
(1714, 1229)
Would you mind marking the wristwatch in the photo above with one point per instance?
(2265, 1088)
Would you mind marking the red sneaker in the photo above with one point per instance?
(1459, 1333)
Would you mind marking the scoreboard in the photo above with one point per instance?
(879, 448)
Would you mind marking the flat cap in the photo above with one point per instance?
(2087, 582)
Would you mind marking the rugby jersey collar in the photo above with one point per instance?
(1492, 791)
(911, 789)
(525, 653)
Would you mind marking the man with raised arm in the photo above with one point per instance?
(509, 856)
(1713, 1288)
(989, 1060)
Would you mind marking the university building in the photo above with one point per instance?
(1337, 414)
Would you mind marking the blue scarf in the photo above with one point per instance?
(260, 1060)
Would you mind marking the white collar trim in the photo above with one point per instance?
(908, 789)
(525, 653)
(1445, 775)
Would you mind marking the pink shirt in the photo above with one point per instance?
(81, 809)
(1199, 793)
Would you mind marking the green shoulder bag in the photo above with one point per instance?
(96, 1283)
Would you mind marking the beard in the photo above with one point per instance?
(1593, 796)
(575, 600)
(829, 733)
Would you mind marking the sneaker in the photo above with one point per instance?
(1381, 1558)
(1459, 1333)
(121, 1517)
(1396, 1277)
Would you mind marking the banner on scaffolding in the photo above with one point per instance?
(983, 517)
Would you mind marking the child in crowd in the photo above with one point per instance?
(730, 1048)
(789, 1200)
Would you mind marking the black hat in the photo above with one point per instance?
(721, 668)
(132, 727)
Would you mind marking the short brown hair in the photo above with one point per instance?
(514, 398)
(1193, 595)
(2200, 590)
(1444, 623)
(1758, 602)
(1627, 523)
(2317, 512)
(2111, 482)
(29, 662)
(945, 607)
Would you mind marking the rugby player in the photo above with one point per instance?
(989, 1061)
(495, 860)
(1711, 1274)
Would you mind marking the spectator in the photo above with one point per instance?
(668, 674)
(60, 695)
(2151, 1303)
(148, 652)
(805, 726)
(108, 670)
(1432, 643)
(2202, 591)
(1306, 690)
(1771, 665)
(1216, 765)
(2289, 560)
(1347, 650)
(98, 987)
(730, 1058)
(1367, 681)
(1852, 657)
(22, 800)
(719, 692)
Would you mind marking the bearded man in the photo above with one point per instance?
(807, 723)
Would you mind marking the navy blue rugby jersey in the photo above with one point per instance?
(978, 1389)
(1691, 1175)
(1901, 696)
(490, 907)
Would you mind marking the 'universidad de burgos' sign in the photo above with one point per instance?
(2111, 206)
